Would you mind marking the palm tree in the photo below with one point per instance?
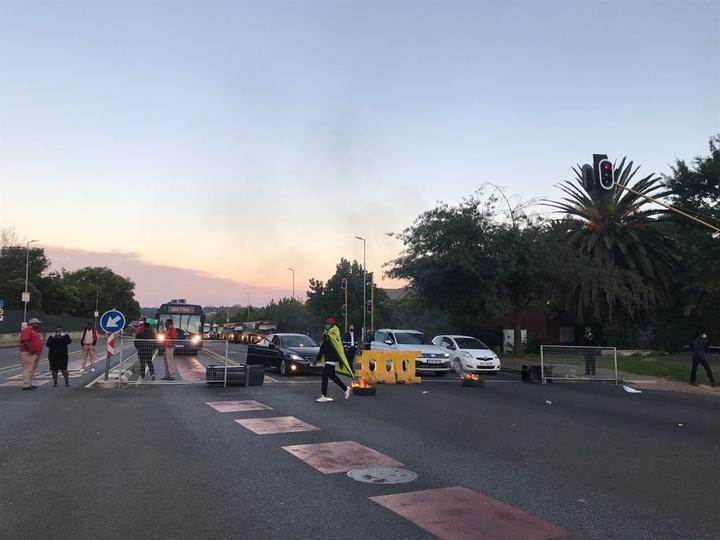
(626, 260)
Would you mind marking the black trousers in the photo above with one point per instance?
(704, 363)
(589, 364)
(146, 360)
(329, 373)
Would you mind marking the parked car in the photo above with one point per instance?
(433, 359)
(468, 354)
(294, 353)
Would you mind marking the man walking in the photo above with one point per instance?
(146, 343)
(332, 355)
(30, 349)
(698, 348)
(88, 340)
(171, 334)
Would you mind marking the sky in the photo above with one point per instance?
(203, 148)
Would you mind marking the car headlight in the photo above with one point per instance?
(195, 340)
(467, 355)
(161, 337)
(446, 355)
(296, 358)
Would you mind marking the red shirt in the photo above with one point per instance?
(170, 334)
(29, 334)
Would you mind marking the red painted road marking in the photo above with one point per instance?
(336, 457)
(458, 513)
(238, 406)
(278, 424)
(189, 369)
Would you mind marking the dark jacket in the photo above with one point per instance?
(146, 348)
(588, 340)
(58, 347)
(328, 351)
(347, 338)
(698, 348)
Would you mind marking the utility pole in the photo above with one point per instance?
(364, 287)
(248, 307)
(293, 281)
(26, 298)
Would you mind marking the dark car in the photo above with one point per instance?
(289, 353)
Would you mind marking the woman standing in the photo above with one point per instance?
(58, 354)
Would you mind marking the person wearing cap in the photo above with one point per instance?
(57, 345)
(30, 348)
(332, 356)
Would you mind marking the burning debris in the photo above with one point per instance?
(471, 379)
(363, 388)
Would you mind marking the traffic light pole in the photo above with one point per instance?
(346, 310)
(372, 303)
(671, 208)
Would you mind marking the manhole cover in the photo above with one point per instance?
(383, 475)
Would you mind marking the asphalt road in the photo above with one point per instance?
(154, 461)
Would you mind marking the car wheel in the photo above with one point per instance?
(457, 366)
(440, 373)
(284, 368)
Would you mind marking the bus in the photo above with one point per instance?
(189, 319)
(253, 331)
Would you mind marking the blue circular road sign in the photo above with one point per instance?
(112, 321)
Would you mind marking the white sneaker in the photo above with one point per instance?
(347, 393)
(322, 399)
(92, 369)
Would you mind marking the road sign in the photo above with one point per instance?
(25, 297)
(96, 314)
(112, 321)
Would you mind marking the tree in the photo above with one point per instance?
(696, 189)
(11, 291)
(113, 290)
(467, 262)
(327, 298)
(623, 261)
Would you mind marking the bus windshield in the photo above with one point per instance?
(188, 323)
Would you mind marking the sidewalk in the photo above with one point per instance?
(644, 381)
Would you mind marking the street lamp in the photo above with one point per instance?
(364, 285)
(27, 269)
(293, 273)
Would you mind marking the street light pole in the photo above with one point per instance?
(293, 281)
(364, 287)
(248, 304)
(27, 271)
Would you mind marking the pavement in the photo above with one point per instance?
(508, 460)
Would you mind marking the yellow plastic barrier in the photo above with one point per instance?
(376, 367)
(404, 366)
(367, 365)
(388, 367)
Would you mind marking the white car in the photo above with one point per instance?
(432, 358)
(468, 354)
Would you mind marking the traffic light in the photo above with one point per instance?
(605, 175)
(369, 306)
(588, 178)
(343, 310)
(369, 279)
(343, 283)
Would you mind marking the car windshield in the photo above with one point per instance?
(470, 343)
(297, 341)
(409, 338)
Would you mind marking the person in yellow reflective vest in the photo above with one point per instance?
(333, 358)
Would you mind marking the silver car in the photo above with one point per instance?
(433, 359)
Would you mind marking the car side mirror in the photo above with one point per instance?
(388, 342)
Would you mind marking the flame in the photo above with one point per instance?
(361, 384)
(470, 376)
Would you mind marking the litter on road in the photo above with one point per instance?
(631, 390)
